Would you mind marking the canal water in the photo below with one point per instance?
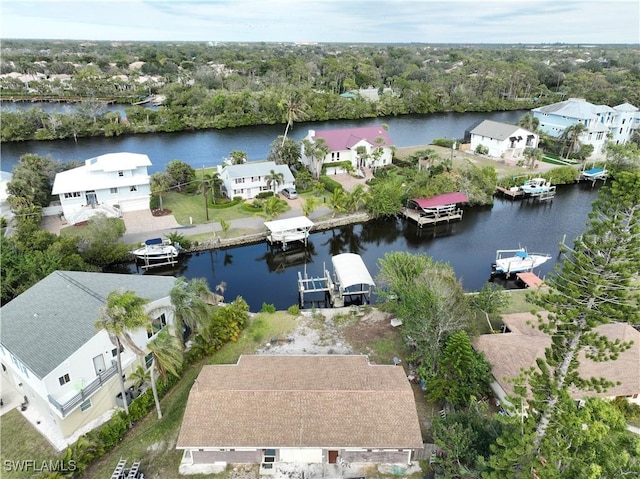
(261, 275)
(207, 148)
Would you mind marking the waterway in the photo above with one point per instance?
(261, 275)
(207, 148)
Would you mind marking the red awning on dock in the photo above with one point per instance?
(440, 200)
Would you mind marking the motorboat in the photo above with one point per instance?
(536, 186)
(511, 261)
(157, 249)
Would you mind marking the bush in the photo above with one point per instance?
(264, 194)
(329, 184)
(226, 204)
(268, 308)
(177, 238)
(482, 150)
(294, 310)
(445, 142)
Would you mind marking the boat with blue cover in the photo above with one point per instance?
(511, 261)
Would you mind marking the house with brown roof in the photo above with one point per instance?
(522, 343)
(282, 410)
(363, 147)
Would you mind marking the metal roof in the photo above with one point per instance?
(351, 270)
(497, 130)
(54, 318)
(289, 224)
(258, 168)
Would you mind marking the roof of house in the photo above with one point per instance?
(301, 401)
(258, 168)
(509, 353)
(497, 130)
(625, 107)
(347, 138)
(577, 108)
(84, 178)
(51, 320)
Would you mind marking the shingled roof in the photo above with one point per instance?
(496, 130)
(54, 318)
(509, 353)
(301, 401)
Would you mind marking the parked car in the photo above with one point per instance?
(289, 193)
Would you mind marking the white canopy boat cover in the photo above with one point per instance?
(350, 270)
(289, 224)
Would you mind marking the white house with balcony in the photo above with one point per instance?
(363, 147)
(53, 355)
(246, 180)
(110, 184)
(502, 140)
(602, 123)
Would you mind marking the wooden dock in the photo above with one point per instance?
(319, 284)
(509, 193)
(421, 218)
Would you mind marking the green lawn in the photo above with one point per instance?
(20, 441)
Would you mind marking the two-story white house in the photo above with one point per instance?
(108, 184)
(248, 179)
(504, 141)
(602, 123)
(363, 147)
(52, 353)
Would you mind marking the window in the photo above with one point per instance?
(156, 325)
(75, 194)
(113, 191)
(85, 405)
(114, 352)
(133, 188)
(120, 173)
(238, 180)
(19, 365)
(64, 379)
(148, 359)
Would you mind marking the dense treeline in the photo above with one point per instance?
(227, 85)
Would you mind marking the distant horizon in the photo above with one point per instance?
(441, 22)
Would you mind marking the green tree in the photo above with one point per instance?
(189, 300)
(491, 299)
(274, 179)
(295, 109)
(529, 122)
(181, 174)
(532, 156)
(102, 244)
(461, 373)
(594, 285)
(166, 358)
(274, 206)
(238, 157)
(160, 184)
(570, 138)
(284, 151)
(315, 151)
(32, 179)
(123, 313)
(357, 198)
(387, 195)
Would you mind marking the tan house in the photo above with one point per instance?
(281, 410)
(522, 343)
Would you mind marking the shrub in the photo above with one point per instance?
(294, 310)
(264, 194)
(258, 329)
(226, 204)
(177, 238)
(329, 184)
(444, 142)
(482, 150)
(268, 308)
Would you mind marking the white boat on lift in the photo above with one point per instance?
(512, 261)
(157, 249)
(536, 186)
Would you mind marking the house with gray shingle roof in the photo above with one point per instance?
(603, 123)
(53, 354)
(274, 410)
(363, 147)
(246, 180)
(502, 140)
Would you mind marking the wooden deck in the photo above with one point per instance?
(514, 195)
(530, 280)
(439, 217)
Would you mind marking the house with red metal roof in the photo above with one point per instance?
(362, 147)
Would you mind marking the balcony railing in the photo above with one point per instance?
(86, 392)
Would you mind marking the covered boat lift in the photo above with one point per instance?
(351, 278)
(427, 211)
(288, 230)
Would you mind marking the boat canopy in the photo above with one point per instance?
(521, 254)
(289, 224)
(439, 200)
(350, 270)
(594, 172)
(153, 241)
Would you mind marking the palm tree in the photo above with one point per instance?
(274, 179)
(294, 108)
(160, 183)
(316, 151)
(189, 300)
(529, 122)
(357, 198)
(166, 358)
(571, 136)
(274, 206)
(205, 185)
(532, 155)
(123, 313)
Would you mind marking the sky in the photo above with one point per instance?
(342, 21)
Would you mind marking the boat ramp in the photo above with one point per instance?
(434, 210)
(351, 278)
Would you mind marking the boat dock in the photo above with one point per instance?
(518, 194)
(512, 193)
(422, 218)
(351, 278)
(530, 280)
(593, 175)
